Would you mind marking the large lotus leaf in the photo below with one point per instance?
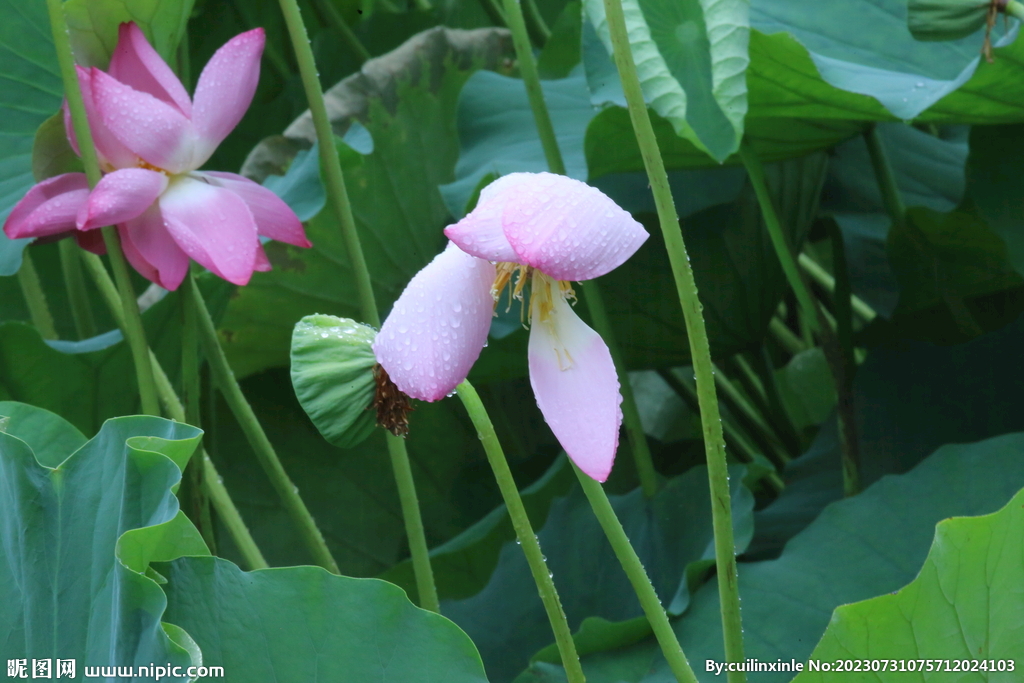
(408, 99)
(94, 379)
(93, 25)
(859, 61)
(81, 523)
(965, 604)
(910, 398)
(30, 93)
(691, 58)
(497, 133)
(858, 548)
(303, 624)
(671, 533)
(737, 272)
(929, 173)
(994, 184)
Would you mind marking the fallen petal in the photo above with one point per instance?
(49, 208)
(155, 131)
(438, 326)
(481, 232)
(576, 386)
(568, 229)
(152, 251)
(121, 196)
(274, 218)
(136, 64)
(225, 90)
(213, 226)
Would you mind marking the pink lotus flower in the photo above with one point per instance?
(151, 138)
(549, 230)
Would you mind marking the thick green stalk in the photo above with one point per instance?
(634, 569)
(190, 391)
(348, 35)
(524, 531)
(771, 219)
(78, 296)
(885, 177)
(133, 329)
(531, 79)
(213, 483)
(540, 27)
(337, 194)
(418, 549)
(786, 337)
(700, 350)
(630, 415)
(35, 298)
(253, 430)
(825, 279)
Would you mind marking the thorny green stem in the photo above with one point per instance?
(338, 196)
(630, 415)
(338, 22)
(133, 329)
(35, 298)
(825, 279)
(418, 549)
(257, 438)
(634, 569)
(212, 482)
(78, 296)
(771, 220)
(700, 350)
(524, 531)
(190, 390)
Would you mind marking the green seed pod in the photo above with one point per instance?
(934, 20)
(332, 372)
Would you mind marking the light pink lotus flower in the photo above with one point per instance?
(549, 230)
(151, 138)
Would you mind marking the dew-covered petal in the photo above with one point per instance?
(576, 386)
(49, 208)
(111, 152)
(121, 196)
(481, 232)
(213, 226)
(225, 90)
(154, 130)
(568, 229)
(438, 326)
(152, 251)
(136, 64)
(274, 218)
